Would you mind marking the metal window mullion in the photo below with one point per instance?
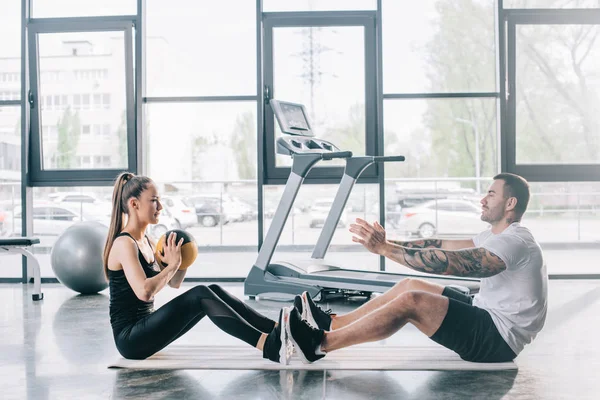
(379, 130)
(260, 159)
(139, 123)
(286, 15)
(35, 137)
(8, 103)
(197, 99)
(449, 95)
(269, 120)
(89, 23)
(130, 110)
(552, 16)
(501, 81)
(26, 189)
(509, 150)
(370, 77)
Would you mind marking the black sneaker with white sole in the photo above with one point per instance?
(305, 338)
(313, 314)
(278, 346)
(298, 305)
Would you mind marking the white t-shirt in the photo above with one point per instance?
(517, 297)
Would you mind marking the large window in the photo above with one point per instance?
(557, 102)
(10, 182)
(442, 138)
(81, 8)
(551, 129)
(201, 48)
(83, 100)
(438, 46)
(179, 100)
(324, 69)
(203, 157)
(550, 4)
(10, 51)
(326, 62)
(318, 5)
(201, 141)
(83, 117)
(10, 132)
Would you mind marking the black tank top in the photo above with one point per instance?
(125, 307)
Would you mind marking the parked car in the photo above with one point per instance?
(248, 211)
(209, 210)
(2, 218)
(441, 217)
(181, 209)
(73, 197)
(318, 213)
(50, 219)
(213, 209)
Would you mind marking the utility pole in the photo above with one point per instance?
(477, 162)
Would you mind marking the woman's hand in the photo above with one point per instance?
(172, 251)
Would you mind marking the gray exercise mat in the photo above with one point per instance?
(353, 358)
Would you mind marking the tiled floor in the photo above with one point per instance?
(59, 349)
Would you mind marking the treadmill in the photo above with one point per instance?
(316, 275)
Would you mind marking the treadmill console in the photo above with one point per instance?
(292, 118)
(289, 146)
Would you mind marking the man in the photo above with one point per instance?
(494, 326)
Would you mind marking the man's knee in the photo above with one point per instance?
(407, 284)
(408, 302)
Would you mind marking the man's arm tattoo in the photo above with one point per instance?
(420, 244)
(431, 261)
(475, 263)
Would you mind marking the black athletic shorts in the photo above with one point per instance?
(470, 331)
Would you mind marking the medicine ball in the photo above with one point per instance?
(189, 248)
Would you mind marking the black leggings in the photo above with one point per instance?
(155, 331)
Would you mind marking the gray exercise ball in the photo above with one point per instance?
(76, 257)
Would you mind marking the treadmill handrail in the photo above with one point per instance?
(354, 167)
(303, 162)
(337, 154)
(388, 158)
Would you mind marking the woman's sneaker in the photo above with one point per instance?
(305, 338)
(278, 346)
(313, 314)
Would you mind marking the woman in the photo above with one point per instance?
(135, 278)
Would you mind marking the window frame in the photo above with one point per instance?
(547, 172)
(322, 174)
(37, 176)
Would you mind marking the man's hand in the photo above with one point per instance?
(370, 236)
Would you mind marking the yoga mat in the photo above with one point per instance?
(388, 358)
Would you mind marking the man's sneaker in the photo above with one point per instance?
(305, 338)
(278, 346)
(313, 314)
(298, 305)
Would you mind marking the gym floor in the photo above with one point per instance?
(60, 348)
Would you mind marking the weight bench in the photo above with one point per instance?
(19, 245)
